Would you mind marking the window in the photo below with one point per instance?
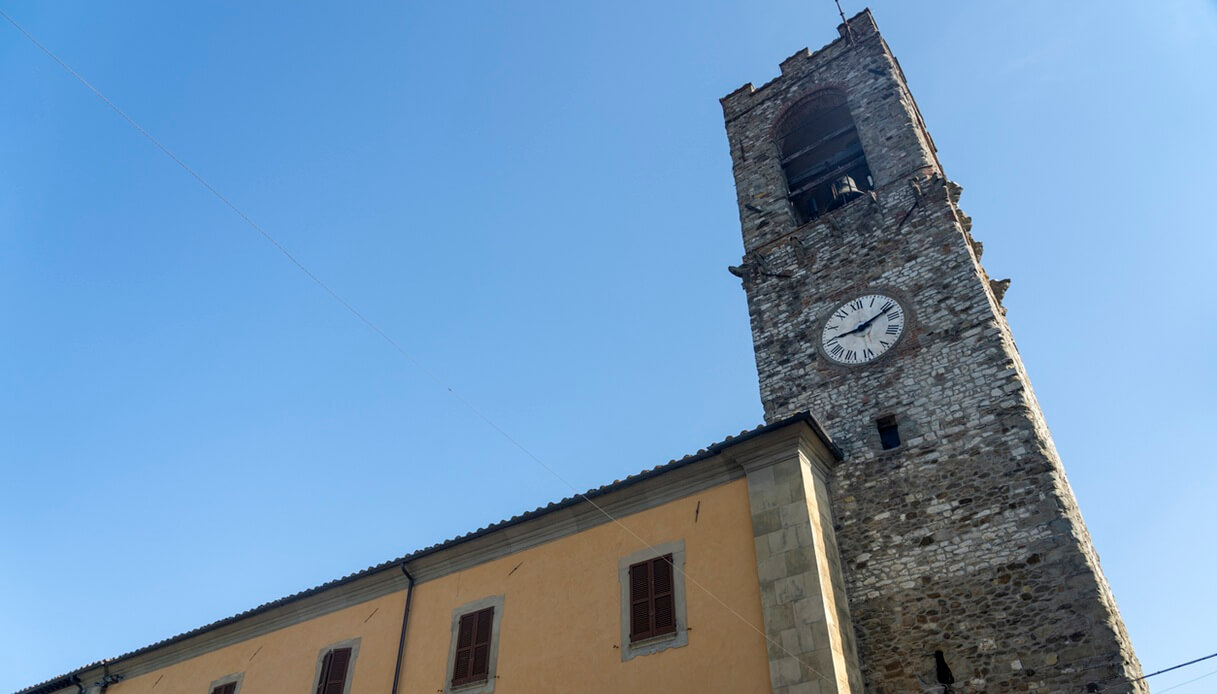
(228, 684)
(652, 598)
(335, 667)
(821, 155)
(653, 616)
(889, 433)
(334, 671)
(474, 648)
(472, 662)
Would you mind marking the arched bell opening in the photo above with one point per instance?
(821, 155)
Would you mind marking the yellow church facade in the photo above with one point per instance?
(558, 585)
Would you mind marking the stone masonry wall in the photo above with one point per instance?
(811, 643)
(966, 538)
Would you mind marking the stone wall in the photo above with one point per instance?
(966, 538)
(811, 645)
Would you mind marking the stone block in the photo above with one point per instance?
(809, 610)
(791, 589)
(778, 618)
(773, 568)
(766, 521)
(798, 561)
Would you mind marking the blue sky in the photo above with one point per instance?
(535, 200)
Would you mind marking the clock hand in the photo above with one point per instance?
(865, 324)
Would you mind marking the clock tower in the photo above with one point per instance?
(966, 563)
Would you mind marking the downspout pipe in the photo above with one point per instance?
(405, 620)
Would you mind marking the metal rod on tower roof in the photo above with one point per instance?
(849, 32)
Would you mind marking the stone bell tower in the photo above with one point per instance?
(967, 565)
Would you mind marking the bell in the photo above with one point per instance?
(844, 189)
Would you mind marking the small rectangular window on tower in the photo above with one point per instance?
(889, 433)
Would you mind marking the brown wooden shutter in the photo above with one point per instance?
(480, 666)
(663, 598)
(652, 599)
(472, 660)
(640, 601)
(325, 671)
(464, 649)
(333, 671)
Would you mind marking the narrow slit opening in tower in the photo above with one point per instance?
(889, 432)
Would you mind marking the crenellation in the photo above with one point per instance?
(790, 64)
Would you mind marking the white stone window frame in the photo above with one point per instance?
(236, 677)
(495, 601)
(352, 644)
(676, 639)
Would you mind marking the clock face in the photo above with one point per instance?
(862, 329)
